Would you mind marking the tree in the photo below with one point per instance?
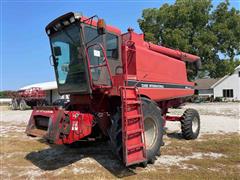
(194, 26)
(7, 94)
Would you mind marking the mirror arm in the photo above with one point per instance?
(51, 60)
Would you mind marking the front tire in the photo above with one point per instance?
(153, 127)
(115, 134)
(190, 124)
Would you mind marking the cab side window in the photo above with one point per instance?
(91, 36)
(112, 46)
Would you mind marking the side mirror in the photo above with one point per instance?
(101, 27)
(57, 51)
(198, 65)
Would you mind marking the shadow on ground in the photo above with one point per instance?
(175, 135)
(58, 156)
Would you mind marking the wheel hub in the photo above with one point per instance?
(150, 132)
(195, 125)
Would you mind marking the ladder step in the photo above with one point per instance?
(129, 97)
(130, 102)
(134, 131)
(140, 160)
(133, 116)
(135, 146)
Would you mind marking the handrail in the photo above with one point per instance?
(127, 46)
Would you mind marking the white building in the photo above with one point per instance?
(228, 87)
(50, 88)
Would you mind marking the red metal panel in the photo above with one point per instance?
(63, 127)
(155, 67)
(81, 126)
(159, 68)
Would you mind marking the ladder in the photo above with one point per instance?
(133, 139)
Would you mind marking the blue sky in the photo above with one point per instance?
(25, 47)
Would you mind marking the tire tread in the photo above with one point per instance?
(186, 124)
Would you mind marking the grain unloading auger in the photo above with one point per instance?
(120, 87)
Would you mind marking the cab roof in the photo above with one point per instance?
(79, 17)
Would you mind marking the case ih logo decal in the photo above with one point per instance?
(151, 85)
(142, 84)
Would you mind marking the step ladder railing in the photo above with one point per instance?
(142, 124)
(134, 149)
(129, 49)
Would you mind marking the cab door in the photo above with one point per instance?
(113, 51)
(100, 74)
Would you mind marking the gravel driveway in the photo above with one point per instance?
(24, 157)
(215, 117)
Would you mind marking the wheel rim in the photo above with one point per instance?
(13, 105)
(195, 125)
(21, 105)
(150, 132)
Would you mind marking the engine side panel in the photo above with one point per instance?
(158, 76)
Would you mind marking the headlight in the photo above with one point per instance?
(72, 19)
(66, 23)
(48, 31)
(58, 25)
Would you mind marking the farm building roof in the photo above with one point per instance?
(205, 83)
(44, 86)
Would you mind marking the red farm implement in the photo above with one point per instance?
(29, 97)
(120, 88)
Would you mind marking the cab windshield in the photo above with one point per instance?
(69, 61)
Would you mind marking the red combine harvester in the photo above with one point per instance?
(34, 96)
(120, 87)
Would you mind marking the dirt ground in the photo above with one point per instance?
(214, 155)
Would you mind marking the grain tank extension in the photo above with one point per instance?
(120, 88)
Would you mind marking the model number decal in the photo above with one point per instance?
(157, 85)
(144, 85)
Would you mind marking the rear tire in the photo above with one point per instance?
(14, 105)
(22, 105)
(190, 124)
(151, 113)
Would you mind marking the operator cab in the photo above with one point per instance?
(85, 53)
